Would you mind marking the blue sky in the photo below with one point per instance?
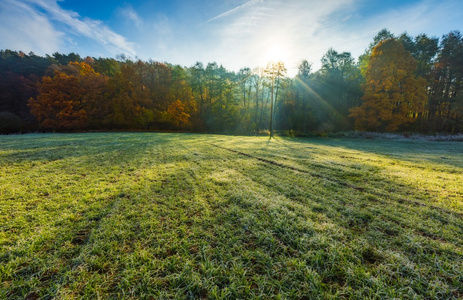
(235, 33)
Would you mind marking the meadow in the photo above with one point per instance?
(162, 216)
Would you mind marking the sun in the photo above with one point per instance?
(276, 53)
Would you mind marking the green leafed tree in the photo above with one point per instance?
(446, 91)
(128, 100)
(276, 72)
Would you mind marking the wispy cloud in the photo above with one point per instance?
(307, 29)
(23, 28)
(427, 16)
(132, 16)
(236, 9)
(163, 36)
(250, 31)
(39, 14)
(236, 36)
(431, 17)
(92, 29)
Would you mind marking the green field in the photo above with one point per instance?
(155, 216)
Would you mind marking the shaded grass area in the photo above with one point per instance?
(143, 215)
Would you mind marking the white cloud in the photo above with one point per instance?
(296, 29)
(33, 23)
(249, 34)
(244, 34)
(23, 28)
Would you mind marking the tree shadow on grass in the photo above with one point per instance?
(445, 154)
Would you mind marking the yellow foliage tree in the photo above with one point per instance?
(393, 96)
(177, 115)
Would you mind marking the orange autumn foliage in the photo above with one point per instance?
(177, 115)
(393, 96)
(67, 100)
(59, 104)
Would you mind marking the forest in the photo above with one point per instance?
(400, 84)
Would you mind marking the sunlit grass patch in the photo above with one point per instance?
(144, 215)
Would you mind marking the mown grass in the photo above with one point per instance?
(159, 216)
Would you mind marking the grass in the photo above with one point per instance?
(161, 216)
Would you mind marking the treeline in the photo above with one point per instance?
(401, 83)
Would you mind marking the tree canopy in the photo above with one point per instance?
(393, 95)
(401, 83)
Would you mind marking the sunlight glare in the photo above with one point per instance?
(276, 53)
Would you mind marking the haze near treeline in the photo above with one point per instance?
(401, 83)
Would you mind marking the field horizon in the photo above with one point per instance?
(145, 215)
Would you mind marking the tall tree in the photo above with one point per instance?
(341, 79)
(382, 35)
(106, 66)
(446, 93)
(62, 99)
(245, 88)
(19, 73)
(128, 100)
(257, 83)
(393, 95)
(275, 71)
(198, 87)
(423, 49)
(301, 106)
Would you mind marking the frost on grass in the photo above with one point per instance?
(144, 215)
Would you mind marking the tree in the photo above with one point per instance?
(69, 99)
(9, 123)
(275, 71)
(257, 83)
(245, 88)
(197, 83)
(58, 105)
(301, 105)
(446, 97)
(304, 70)
(340, 78)
(382, 35)
(64, 59)
(100, 93)
(128, 100)
(106, 66)
(19, 74)
(423, 49)
(393, 96)
(177, 115)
